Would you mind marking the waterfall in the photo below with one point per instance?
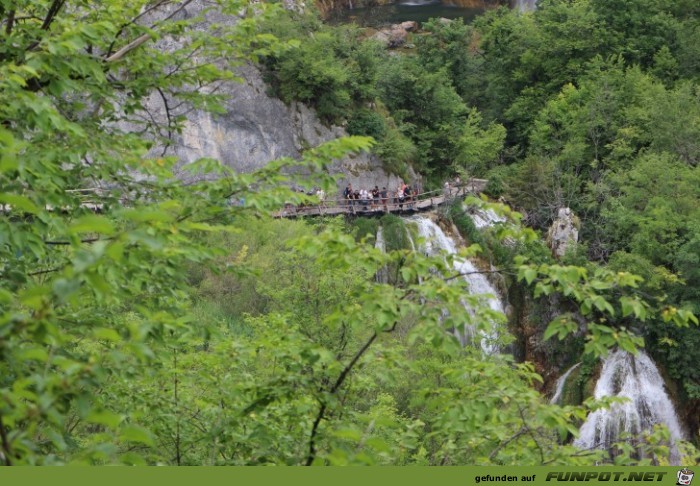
(638, 379)
(382, 275)
(484, 217)
(526, 5)
(435, 241)
(561, 382)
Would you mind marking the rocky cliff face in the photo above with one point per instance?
(257, 128)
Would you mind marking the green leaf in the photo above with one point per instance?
(106, 334)
(65, 288)
(92, 224)
(552, 329)
(134, 433)
(627, 307)
(529, 274)
(104, 417)
(18, 202)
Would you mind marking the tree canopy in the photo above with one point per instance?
(149, 320)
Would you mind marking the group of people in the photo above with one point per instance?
(376, 199)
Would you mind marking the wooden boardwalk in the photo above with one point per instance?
(422, 202)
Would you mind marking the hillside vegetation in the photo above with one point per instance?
(157, 322)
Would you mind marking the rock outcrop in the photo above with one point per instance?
(563, 232)
(395, 35)
(257, 128)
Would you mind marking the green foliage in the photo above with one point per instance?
(427, 105)
(153, 322)
(367, 122)
(451, 46)
(657, 200)
(92, 298)
(478, 147)
(465, 225)
(365, 228)
(396, 152)
(330, 69)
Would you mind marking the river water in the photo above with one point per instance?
(416, 10)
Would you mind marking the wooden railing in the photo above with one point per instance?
(419, 202)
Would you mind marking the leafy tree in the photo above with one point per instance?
(426, 104)
(144, 320)
(479, 148)
(85, 294)
(657, 199)
(454, 46)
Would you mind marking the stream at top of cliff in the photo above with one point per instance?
(415, 10)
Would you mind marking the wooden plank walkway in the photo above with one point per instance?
(422, 202)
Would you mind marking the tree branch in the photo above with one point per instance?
(133, 21)
(143, 38)
(66, 243)
(51, 15)
(501, 271)
(128, 48)
(169, 116)
(338, 383)
(532, 434)
(42, 272)
(503, 444)
(10, 22)
(5, 444)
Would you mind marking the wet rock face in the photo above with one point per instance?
(563, 233)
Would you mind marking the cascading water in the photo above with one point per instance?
(382, 275)
(483, 218)
(638, 379)
(560, 384)
(526, 5)
(435, 241)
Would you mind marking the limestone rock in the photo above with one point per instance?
(409, 25)
(398, 36)
(256, 128)
(563, 232)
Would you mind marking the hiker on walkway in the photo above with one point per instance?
(375, 198)
(321, 194)
(347, 195)
(385, 199)
(408, 196)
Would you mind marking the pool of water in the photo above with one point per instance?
(416, 10)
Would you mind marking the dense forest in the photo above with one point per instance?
(148, 317)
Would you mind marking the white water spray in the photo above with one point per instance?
(382, 275)
(483, 218)
(526, 5)
(435, 241)
(648, 404)
(560, 384)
